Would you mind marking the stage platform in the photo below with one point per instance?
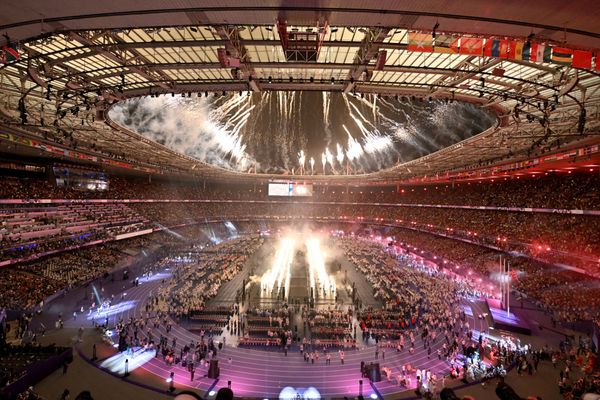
(506, 321)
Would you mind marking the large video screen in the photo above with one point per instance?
(290, 189)
(80, 179)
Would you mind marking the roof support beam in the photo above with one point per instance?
(370, 45)
(120, 59)
(231, 36)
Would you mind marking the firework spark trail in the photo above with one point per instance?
(329, 158)
(374, 108)
(303, 138)
(312, 165)
(354, 149)
(323, 161)
(360, 115)
(241, 114)
(231, 103)
(360, 125)
(340, 154)
(236, 129)
(386, 121)
(346, 99)
(377, 143)
(326, 104)
(388, 104)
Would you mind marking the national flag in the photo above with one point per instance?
(539, 53)
(9, 52)
(528, 52)
(491, 48)
(518, 50)
(547, 54)
(562, 55)
(582, 59)
(420, 42)
(446, 44)
(507, 49)
(502, 48)
(471, 46)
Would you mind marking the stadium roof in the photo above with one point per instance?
(76, 59)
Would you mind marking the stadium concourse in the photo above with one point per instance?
(299, 200)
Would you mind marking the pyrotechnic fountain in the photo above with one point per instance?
(298, 267)
(279, 274)
(321, 283)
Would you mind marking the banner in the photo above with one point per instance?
(49, 148)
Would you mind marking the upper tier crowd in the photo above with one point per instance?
(557, 190)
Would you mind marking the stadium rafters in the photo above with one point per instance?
(65, 80)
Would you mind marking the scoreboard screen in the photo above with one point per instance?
(290, 189)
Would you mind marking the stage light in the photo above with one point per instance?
(373, 396)
(212, 393)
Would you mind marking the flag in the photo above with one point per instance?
(547, 54)
(562, 55)
(507, 49)
(446, 44)
(528, 51)
(518, 50)
(420, 42)
(539, 53)
(582, 59)
(9, 52)
(491, 48)
(471, 46)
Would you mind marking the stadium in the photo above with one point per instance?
(299, 200)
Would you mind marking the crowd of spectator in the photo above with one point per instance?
(569, 295)
(26, 285)
(558, 238)
(555, 190)
(549, 238)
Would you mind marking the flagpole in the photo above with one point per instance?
(504, 283)
(508, 290)
(501, 281)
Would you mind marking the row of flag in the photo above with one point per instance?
(501, 48)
